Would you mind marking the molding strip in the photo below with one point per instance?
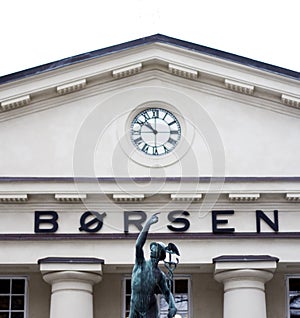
(132, 236)
(148, 179)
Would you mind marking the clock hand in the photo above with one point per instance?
(150, 127)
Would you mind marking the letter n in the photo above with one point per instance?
(260, 215)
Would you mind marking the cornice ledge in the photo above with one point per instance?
(245, 258)
(214, 83)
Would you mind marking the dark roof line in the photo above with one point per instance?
(143, 41)
(148, 179)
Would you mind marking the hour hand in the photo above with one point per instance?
(147, 124)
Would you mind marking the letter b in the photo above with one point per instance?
(45, 217)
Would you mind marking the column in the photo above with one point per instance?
(244, 279)
(72, 281)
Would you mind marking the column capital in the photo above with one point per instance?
(244, 271)
(245, 262)
(83, 268)
(82, 264)
(243, 278)
(89, 278)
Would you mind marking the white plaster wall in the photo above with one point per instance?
(38, 297)
(207, 296)
(194, 252)
(276, 296)
(87, 136)
(108, 296)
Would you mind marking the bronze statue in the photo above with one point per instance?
(148, 280)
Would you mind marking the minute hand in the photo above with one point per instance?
(150, 127)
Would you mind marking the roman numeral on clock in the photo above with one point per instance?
(172, 141)
(140, 122)
(155, 113)
(146, 115)
(138, 141)
(166, 150)
(145, 148)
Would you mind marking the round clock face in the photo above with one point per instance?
(155, 131)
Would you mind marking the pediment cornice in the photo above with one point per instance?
(140, 62)
(176, 75)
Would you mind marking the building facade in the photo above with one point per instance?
(94, 144)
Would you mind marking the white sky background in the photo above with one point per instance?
(35, 32)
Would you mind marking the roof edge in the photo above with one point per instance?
(148, 40)
(158, 179)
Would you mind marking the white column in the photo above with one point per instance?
(72, 286)
(244, 279)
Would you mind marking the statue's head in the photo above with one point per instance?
(158, 250)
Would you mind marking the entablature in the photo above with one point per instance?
(140, 190)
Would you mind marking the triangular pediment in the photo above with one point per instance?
(76, 113)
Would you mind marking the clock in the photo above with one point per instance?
(155, 131)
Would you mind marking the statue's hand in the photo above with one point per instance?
(153, 219)
(172, 312)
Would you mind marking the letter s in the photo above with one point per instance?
(173, 217)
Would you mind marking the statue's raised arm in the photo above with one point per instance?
(140, 242)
